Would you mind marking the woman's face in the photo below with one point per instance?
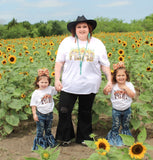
(82, 31)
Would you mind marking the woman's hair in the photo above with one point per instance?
(74, 32)
(115, 73)
(38, 78)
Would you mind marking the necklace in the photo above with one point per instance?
(81, 59)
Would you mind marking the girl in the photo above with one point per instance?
(42, 108)
(121, 97)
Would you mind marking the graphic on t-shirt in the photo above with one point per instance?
(46, 99)
(88, 55)
(120, 94)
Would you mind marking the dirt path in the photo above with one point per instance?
(19, 144)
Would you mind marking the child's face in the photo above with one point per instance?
(121, 76)
(43, 83)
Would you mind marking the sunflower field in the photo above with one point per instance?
(21, 58)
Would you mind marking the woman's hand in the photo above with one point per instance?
(58, 85)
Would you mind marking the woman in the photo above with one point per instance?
(80, 59)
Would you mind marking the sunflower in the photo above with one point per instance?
(34, 47)
(53, 74)
(52, 59)
(20, 54)
(8, 49)
(31, 59)
(1, 53)
(51, 43)
(23, 95)
(0, 76)
(119, 41)
(12, 59)
(25, 47)
(151, 44)
(124, 43)
(45, 155)
(133, 46)
(151, 61)
(48, 53)
(120, 51)
(102, 144)
(109, 54)
(148, 69)
(56, 52)
(146, 42)
(137, 150)
(1, 44)
(121, 58)
(4, 61)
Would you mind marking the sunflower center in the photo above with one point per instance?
(102, 145)
(12, 59)
(137, 149)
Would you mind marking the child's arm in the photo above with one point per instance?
(128, 91)
(35, 117)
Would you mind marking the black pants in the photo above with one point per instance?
(65, 130)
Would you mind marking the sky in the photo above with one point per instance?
(35, 11)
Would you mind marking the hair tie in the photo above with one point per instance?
(118, 65)
(42, 72)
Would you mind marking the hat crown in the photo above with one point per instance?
(81, 18)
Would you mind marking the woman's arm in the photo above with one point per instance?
(107, 72)
(58, 68)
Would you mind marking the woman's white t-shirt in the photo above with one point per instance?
(95, 55)
(120, 100)
(43, 99)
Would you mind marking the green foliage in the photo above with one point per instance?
(119, 153)
(46, 154)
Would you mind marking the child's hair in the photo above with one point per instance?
(115, 72)
(42, 73)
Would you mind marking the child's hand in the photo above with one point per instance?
(35, 117)
(107, 89)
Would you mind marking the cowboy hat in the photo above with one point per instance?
(80, 19)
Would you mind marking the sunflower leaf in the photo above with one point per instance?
(127, 139)
(142, 135)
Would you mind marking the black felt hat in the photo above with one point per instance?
(80, 19)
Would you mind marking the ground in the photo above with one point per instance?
(18, 145)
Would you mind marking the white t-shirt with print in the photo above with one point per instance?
(95, 55)
(43, 99)
(120, 100)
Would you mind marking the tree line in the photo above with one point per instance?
(24, 29)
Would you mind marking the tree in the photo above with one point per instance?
(12, 23)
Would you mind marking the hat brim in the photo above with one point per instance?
(71, 25)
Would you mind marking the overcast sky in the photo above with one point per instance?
(44, 10)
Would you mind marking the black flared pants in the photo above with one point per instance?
(65, 130)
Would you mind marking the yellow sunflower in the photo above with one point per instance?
(121, 58)
(23, 95)
(1, 44)
(31, 59)
(53, 74)
(102, 144)
(151, 61)
(45, 155)
(109, 54)
(124, 43)
(8, 49)
(4, 61)
(0, 76)
(133, 46)
(12, 59)
(119, 41)
(151, 44)
(120, 51)
(148, 69)
(137, 150)
(51, 43)
(48, 53)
